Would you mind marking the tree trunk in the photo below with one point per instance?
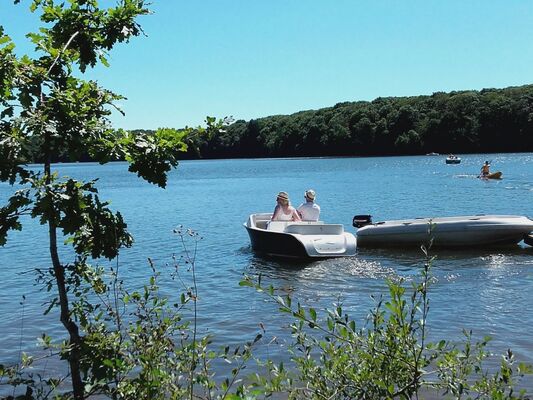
(66, 320)
(68, 323)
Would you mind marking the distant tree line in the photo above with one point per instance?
(490, 120)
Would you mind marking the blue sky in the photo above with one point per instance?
(254, 58)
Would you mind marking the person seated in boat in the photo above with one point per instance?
(283, 210)
(485, 169)
(309, 211)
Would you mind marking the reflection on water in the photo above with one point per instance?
(320, 269)
(488, 291)
(398, 254)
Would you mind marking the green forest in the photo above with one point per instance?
(485, 121)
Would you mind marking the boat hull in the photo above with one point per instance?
(275, 244)
(299, 239)
(494, 175)
(453, 161)
(479, 230)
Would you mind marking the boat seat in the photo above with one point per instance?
(282, 226)
(315, 229)
(262, 224)
(277, 226)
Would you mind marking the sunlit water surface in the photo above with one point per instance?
(487, 291)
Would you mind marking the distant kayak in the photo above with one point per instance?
(494, 175)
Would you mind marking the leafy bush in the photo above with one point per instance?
(389, 358)
(137, 344)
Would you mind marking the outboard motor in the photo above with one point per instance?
(361, 220)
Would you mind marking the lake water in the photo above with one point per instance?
(488, 291)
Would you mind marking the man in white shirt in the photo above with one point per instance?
(309, 211)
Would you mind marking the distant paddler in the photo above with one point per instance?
(485, 169)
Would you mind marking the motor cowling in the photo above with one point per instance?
(361, 220)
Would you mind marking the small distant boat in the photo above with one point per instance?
(494, 175)
(461, 231)
(432, 154)
(299, 239)
(451, 159)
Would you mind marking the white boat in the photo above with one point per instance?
(451, 159)
(298, 239)
(461, 231)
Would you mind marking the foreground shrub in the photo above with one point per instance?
(138, 344)
(389, 358)
(143, 344)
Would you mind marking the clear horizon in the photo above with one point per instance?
(250, 59)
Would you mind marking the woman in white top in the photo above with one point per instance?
(284, 211)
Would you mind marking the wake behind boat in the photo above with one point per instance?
(300, 239)
(461, 231)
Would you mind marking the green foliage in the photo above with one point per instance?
(388, 358)
(49, 113)
(92, 31)
(138, 343)
(152, 156)
(9, 214)
(12, 153)
(75, 208)
(62, 117)
(490, 120)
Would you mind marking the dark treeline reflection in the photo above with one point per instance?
(490, 120)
